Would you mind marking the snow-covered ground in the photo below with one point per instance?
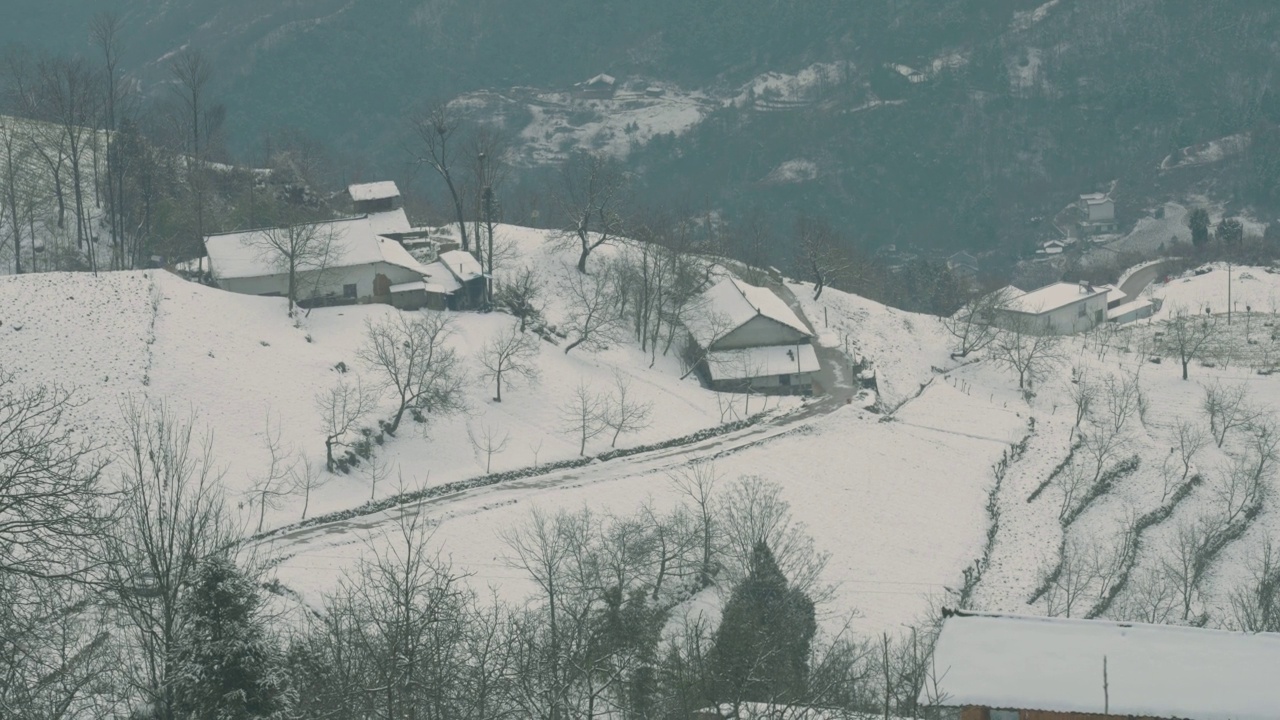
(899, 500)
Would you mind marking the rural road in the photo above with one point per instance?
(1138, 281)
(834, 378)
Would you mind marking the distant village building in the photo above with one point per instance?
(1059, 309)
(747, 339)
(963, 266)
(1052, 247)
(369, 261)
(1099, 214)
(1008, 667)
(601, 86)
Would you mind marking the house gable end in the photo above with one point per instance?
(759, 331)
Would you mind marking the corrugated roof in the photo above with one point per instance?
(1055, 664)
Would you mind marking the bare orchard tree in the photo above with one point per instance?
(973, 326)
(436, 127)
(592, 309)
(296, 249)
(418, 368)
(592, 193)
(1191, 440)
(751, 511)
(697, 482)
(1227, 410)
(1083, 394)
(487, 441)
(305, 478)
(1181, 566)
(1188, 336)
(623, 412)
(171, 517)
(1029, 354)
(342, 408)
(512, 353)
(1070, 587)
(582, 415)
(1122, 397)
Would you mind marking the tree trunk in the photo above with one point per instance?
(582, 259)
(499, 379)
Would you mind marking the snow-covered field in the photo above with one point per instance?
(899, 500)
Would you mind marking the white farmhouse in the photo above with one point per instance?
(1099, 212)
(747, 339)
(361, 267)
(1059, 309)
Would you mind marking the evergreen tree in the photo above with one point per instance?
(761, 649)
(226, 666)
(1230, 231)
(1199, 223)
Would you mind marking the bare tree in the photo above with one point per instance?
(1071, 482)
(973, 326)
(66, 95)
(592, 192)
(511, 353)
(1228, 410)
(1191, 440)
(1255, 605)
(1029, 354)
(1149, 597)
(306, 478)
(342, 408)
(1071, 586)
(582, 415)
(1181, 563)
(16, 186)
(697, 481)
(422, 373)
(753, 511)
(104, 31)
(623, 413)
(487, 442)
(1083, 393)
(1188, 336)
(296, 249)
(191, 74)
(819, 256)
(592, 306)
(436, 128)
(171, 517)
(1123, 398)
(270, 489)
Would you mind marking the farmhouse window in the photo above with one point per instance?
(784, 379)
(349, 291)
(1083, 311)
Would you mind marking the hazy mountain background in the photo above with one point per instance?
(1021, 105)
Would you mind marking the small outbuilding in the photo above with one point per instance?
(455, 281)
(745, 338)
(1010, 667)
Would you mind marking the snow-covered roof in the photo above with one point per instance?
(1114, 294)
(730, 303)
(1129, 307)
(762, 361)
(373, 191)
(240, 254)
(602, 79)
(463, 265)
(389, 222)
(1051, 297)
(1055, 664)
(440, 279)
(1093, 197)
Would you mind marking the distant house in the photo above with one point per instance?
(747, 339)
(600, 86)
(1052, 247)
(1131, 311)
(1099, 214)
(1009, 667)
(374, 197)
(362, 265)
(1059, 309)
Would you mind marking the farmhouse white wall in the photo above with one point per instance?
(331, 283)
(759, 331)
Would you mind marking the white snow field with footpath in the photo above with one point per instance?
(898, 496)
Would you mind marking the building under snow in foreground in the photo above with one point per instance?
(1059, 309)
(1008, 667)
(747, 339)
